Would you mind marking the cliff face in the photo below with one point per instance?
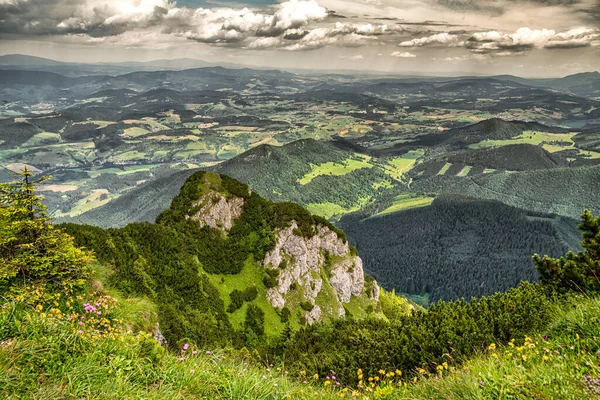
(311, 264)
(218, 212)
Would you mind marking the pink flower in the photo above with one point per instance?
(80, 323)
(208, 353)
(337, 383)
(69, 319)
(79, 332)
(333, 377)
(192, 371)
(99, 313)
(194, 352)
(185, 346)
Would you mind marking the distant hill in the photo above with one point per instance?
(515, 157)
(142, 204)
(275, 172)
(562, 191)
(24, 60)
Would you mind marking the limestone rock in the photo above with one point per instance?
(217, 211)
(375, 290)
(300, 260)
(314, 315)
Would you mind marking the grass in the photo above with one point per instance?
(336, 169)
(327, 210)
(43, 138)
(465, 171)
(444, 169)
(250, 275)
(535, 138)
(45, 359)
(396, 167)
(135, 131)
(562, 363)
(405, 202)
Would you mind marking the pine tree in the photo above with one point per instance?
(31, 248)
(576, 271)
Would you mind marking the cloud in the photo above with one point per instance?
(340, 35)
(525, 39)
(443, 38)
(113, 17)
(403, 55)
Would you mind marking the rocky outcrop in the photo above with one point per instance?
(375, 290)
(158, 336)
(303, 262)
(217, 211)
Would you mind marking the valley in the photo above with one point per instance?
(372, 155)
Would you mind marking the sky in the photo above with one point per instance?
(533, 38)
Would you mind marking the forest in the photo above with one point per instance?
(437, 250)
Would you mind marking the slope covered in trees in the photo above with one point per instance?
(540, 190)
(457, 247)
(203, 263)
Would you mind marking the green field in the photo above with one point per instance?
(444, 169)
(336, 169)
(396, 167)
(407, 201)
(530, 137)
(249, 273)
(465, 171)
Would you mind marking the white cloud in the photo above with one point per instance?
(403, 54)
(526, 39)
(443, 38)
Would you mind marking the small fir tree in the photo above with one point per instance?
(32, 249)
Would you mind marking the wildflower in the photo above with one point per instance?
(185, 347)
(381, 371)
(492, 346)
(69, 319)
(194, 352)
(337, 384)
(545, 358)
(79, 331)
(327, 383)
(482, 383)
(80, 323)
(399, 373)
(99, 313)
(192, 371)
(275, 384)
(327, 377)
(316, 376)
(208, 353)
(333, 377)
